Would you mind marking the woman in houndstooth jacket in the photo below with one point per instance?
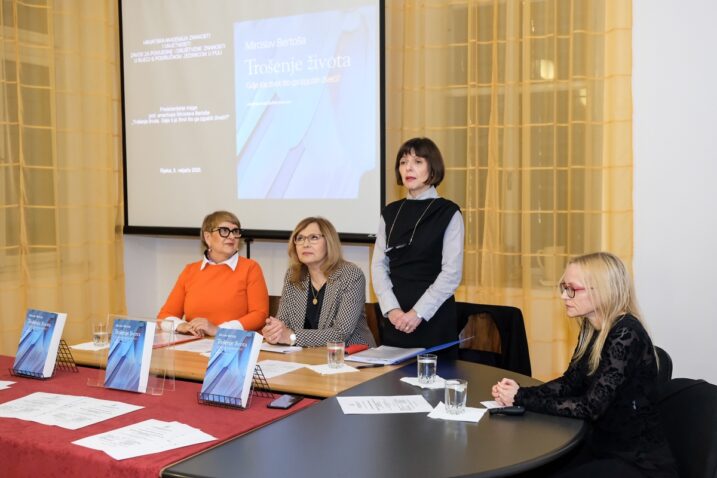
(323, 296)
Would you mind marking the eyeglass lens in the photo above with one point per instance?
(312, 238)
(567, 289)
(225, 231)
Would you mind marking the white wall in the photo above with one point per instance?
(152, 265)
(675, 101)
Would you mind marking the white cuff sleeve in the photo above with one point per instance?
(232, 324)
(170, 324)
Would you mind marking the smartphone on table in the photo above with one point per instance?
(285, 401)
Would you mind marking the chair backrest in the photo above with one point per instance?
(373, 312)
(664, 366)
(274, 304)
(486, 323)
(688, 411)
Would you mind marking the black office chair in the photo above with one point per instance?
(498, 333)
(688, 411)
(664, 366)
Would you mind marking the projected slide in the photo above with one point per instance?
(303, 82)
(268, 109)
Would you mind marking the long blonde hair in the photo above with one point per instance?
(613, 294)
(334, 257)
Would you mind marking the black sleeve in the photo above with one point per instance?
(622, 350)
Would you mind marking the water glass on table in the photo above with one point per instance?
(100, 337)
(427, 365)
(455, 396)
(335, 354)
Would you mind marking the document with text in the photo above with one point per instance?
(274, 368)
(144, 438)
(66, 411)
(389, 404)
(197, 346)
(281, 349)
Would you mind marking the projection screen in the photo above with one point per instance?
(270, 109)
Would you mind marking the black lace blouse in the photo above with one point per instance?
(617, 398)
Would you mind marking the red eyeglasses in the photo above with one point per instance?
(569, 290)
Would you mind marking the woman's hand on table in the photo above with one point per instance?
(504, 391)
(198, 327)
(276, 332)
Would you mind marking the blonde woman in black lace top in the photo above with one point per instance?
(610, 380)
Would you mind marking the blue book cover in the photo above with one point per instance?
(37, 351)
(130, 355)
(231, 365)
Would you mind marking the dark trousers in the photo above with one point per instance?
(580, 463)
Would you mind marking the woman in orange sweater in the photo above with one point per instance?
(222, 288)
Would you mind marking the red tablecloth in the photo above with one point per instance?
(31, 449)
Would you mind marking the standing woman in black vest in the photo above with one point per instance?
(418, 257)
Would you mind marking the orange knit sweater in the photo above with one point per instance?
(220, 294)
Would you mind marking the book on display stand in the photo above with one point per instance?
(39, 343)
(232, 369)
(130, 355)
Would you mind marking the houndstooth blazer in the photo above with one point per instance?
(342, 311)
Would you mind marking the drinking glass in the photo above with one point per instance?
(335, 354)
(100, 337)
(455, 397)
(427, 364)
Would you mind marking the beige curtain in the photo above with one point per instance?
(60, 157)
(530, 102)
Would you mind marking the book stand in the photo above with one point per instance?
(161, 367)
(64, 362)
(259, 387)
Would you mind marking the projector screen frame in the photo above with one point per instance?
(249, 235)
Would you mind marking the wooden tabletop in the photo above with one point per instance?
(191, 366)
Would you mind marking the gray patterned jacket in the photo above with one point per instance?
(342, 311)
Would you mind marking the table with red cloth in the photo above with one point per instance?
(31, 449)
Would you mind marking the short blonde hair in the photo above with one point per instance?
(334, 256)
(211, 221)
(612, 291)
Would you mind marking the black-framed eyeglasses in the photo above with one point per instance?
(398, 246)
(413, 233)
(569, 290)
(225, 231)
(312, 238)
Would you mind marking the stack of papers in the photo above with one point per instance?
(324, 369)
(274, 368)
(282, 349)
(66, 411)
(384, 355)
(202, 346)
(392, 355)
(144, 438)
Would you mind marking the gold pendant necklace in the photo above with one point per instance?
(315, 300)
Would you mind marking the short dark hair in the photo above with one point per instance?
(427, 149)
